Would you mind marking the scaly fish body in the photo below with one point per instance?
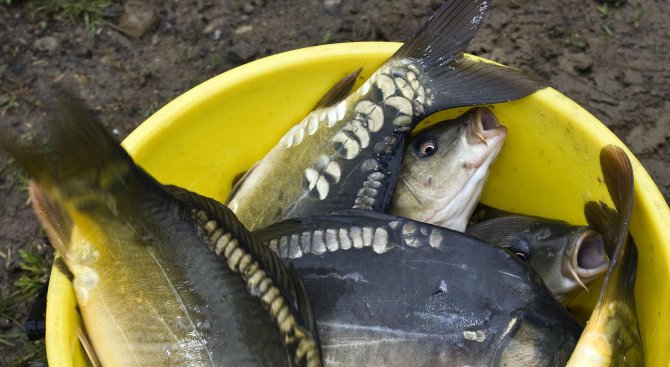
(163, 277)
(396, 292)
(349, 155)
(445, 168)
(567, 257)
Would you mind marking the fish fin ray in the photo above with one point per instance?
(457, 81)
(619, 284)
(56, 222)
(470, 82)
(446, 33)
(82, 167)
(88, 347)
(604, 220)
(339, 91)
(618, 177)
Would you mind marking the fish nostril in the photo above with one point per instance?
(489, 121)
(591, 251)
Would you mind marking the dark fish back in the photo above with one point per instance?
(427, 296)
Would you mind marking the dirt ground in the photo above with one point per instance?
(611, 59)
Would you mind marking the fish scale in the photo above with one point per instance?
(137, 254)
(348, 154)
(408, 293)
(316, 240)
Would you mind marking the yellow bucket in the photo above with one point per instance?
(549, 166)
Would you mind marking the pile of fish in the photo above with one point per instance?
(344, 246)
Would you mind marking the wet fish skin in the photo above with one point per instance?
(348, 155)
(612, 334)
(445, 167)
(149, 290)
(392, 291)
(567, 257)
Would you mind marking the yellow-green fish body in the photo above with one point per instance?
(162, 276)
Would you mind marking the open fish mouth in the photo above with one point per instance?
(485, 128)
(588, 259)
(591, 260)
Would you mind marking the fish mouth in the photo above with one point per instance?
(588, 258)
(484, 127)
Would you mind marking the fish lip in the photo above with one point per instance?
(483, 126)
(588, 258)
(487, 119)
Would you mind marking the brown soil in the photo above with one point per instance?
(614, 63)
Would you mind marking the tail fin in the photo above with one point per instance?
(454, 80)
(614, 316)
(80, 165)
(605, 221)
(76, 151)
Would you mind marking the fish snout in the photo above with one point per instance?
(588, 258)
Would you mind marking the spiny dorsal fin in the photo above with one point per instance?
(339, 91)
(457, 81)
(288, 282)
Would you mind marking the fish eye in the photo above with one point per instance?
(427, 148)
(520, 255)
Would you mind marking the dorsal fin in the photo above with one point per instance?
(339, 91)
(287, 281)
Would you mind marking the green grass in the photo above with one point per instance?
(326, 37)
(603, 10)
(639, 13)
(25, 352)
(576, 41)
(35, 268)
(90, 12)
(607, 30)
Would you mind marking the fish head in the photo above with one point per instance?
(566, 259)
(445, 167)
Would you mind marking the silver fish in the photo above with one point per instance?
(348, 155)
(445, 168)
(162, 276)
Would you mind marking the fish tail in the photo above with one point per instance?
(75, 144)
(623, 277)
(77, 167)
(450, 79)
(614, 316)
(76, 156)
